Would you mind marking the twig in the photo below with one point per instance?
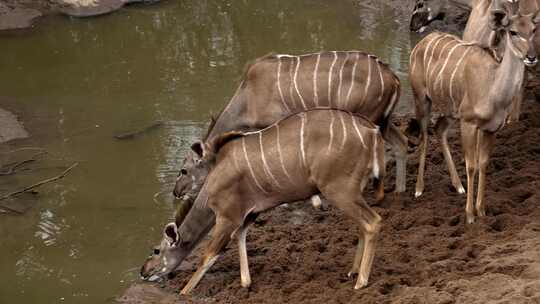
(14, 166)
(23, 149)
(52, 179)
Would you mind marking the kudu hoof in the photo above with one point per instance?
(361, 283)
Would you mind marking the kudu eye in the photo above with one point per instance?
(183, 172)
(513, 33)
(156, 251)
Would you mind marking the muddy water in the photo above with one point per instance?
(87, 80)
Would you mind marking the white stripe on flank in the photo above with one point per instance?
(265, 164)
(331, 131)
(330, 79)
(392, 103)
(291, 85)
(357, 130)
(251, 168)
(426, 51)
(295, 85)
(454, 74)
(344, 130)
(368, 81)
(352, 80)
(431, 58)
(382, 79)
(412, 59)
(281, 155)
(279, 85)
(439, 76)
(303, 119)
(437, 64)
(315, 74)
(341, 78)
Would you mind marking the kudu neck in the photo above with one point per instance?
(197, 223)
(508, 76)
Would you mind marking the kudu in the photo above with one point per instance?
(275, 86)
(478, 27)
(327, 151)
(472, 84)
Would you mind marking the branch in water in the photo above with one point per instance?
(43, 182)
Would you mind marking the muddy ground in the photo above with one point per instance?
(426, 253)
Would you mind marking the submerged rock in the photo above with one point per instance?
(10, 127)
(14, 17)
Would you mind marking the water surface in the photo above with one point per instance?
(85, 80)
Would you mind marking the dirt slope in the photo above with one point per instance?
(426, 253)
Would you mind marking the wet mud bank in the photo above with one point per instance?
(426, 253)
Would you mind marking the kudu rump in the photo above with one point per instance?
(331, 152)
(275, 86)
(471, 84)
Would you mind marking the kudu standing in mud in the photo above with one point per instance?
(471, 84)
(478, 28)
(275, 86)
(331, 152)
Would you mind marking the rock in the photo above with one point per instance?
(17, 17)
(88, 8)
(10, 127)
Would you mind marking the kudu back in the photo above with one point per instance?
(331, 152)
(474, 85)
(275, 86)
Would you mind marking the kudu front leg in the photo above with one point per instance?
(245, 277)
(487, 142)
(469, 137)
(220, 238)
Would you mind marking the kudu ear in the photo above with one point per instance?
(198, 148)
(170, 233)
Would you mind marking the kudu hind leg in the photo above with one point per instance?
(443, 124)
(399, 142)
(469, 137)
(423, 120)
(220, 238)
(245, 277)
(487, 141)
(370, 224)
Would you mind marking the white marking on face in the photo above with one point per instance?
(281, 155)
(422, 29)
(341, 78)
(330, 79)
(344, 130)
(353, 80)
(265, 164)
(315, 74)
(251, 168)
(279, 85)
(357, 130)
(331, 132)
(295, 84)
(303, 120)
(454, 74)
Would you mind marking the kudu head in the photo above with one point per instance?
(165, 257)
(176, 246)
(425, 12)
(519, 29)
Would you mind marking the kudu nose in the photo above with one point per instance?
(531, 60)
